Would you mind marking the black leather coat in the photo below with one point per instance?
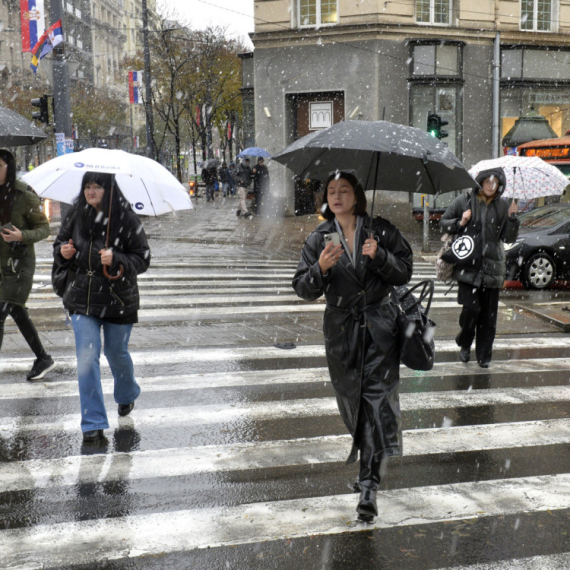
(90, 292)
(361, 334)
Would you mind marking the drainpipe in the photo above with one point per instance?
(496, 85)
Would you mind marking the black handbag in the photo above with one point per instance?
(416, 329)
(61, 277)
(466, 250)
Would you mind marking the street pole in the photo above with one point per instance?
(62, 106)
(151, 151)
(496, 95)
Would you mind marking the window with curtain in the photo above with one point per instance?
(317, 12)
(433, 11)
(536, 15)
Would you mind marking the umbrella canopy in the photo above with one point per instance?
(383, 156)
(528, 177)
(211, 163)
(16, 130)
(254, 151)
(148, 186)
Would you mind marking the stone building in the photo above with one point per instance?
(321, 61)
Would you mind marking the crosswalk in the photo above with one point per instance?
(234, 455)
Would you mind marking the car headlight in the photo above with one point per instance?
(509, 246)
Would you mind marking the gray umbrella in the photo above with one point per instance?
(383, 156)
(16, 130)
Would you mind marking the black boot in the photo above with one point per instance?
(367, 508)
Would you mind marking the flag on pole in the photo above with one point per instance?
(32, 17)
(135, 86)
(198, 117)
(52, 37)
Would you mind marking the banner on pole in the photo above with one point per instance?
(52, 37)
(135, 86)
(198, 116)
(68, 146)
(60, 143)
(32, 17)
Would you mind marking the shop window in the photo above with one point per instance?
(317, 12)
(536, 15)
(436, 60)
(433, 12)
(535, 64)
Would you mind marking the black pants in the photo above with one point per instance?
(24, 323)
(478, 319)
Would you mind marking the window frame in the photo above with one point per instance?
(553, 18)
(318, 16)
(432, 13)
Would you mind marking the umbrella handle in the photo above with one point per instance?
(113, 277)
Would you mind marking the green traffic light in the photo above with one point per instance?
(433, 133)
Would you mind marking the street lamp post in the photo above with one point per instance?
(148, 93)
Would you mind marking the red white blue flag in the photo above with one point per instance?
(135, 86)
(52, 37)
(32, 15)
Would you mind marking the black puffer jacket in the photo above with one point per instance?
(90, 292)
(498, 228)
(360, 328)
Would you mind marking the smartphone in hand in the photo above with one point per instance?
(334, 238)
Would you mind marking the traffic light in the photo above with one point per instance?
(434, 124)
(43, 114)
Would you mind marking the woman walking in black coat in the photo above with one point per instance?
(479, 287)
(94, 301)
(361, 333)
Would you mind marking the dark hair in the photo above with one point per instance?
(8, 189)
(92, 224)
(360, 208)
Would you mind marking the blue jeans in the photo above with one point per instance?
(87, 331)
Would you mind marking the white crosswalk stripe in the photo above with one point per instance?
(230, 394)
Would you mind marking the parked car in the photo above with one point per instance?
(541, 253)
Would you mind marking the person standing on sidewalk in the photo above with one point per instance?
(209, 177)
(23, 224)
(360, 326)
(479, 288)
(260, 185)
(225, 179)
(95, 302)
(243, 176)
(231, 178)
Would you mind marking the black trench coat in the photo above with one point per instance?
(361, 334)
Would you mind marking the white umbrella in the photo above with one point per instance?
(148, 186)
(528, 177)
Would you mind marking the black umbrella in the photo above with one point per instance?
(383, 156)
(16, 130)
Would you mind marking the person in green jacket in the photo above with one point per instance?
(23, 224)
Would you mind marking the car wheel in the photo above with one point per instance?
(539, 271)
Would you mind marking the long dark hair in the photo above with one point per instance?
(359, 194)
(8, 189)
(93, 224)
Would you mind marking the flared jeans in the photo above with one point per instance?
(87, 331)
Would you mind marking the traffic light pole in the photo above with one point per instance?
(62, 105)
(151, 151)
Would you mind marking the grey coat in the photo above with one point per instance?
(497, 226)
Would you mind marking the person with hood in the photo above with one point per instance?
(209, 177)
(360, 322)
(479, 287)
(23, 224)
(243, 176)
(94, 301)
(260, 185)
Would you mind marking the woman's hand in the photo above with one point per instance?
(513, 208)
(370, 247)
(466, 217)
(329, 257)
(106, 257)
(12, 235)
(67, 250)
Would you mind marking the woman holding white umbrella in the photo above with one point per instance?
(99, 261)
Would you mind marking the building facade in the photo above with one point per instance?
(321, 61)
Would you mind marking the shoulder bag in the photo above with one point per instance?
(416, 329)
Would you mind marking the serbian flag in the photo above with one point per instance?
(50, 38)
(32, 16)
(135, 86)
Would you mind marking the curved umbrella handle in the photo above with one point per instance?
(113, 277)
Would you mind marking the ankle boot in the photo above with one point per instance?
(367, 508)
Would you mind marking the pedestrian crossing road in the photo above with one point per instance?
(234, 456)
